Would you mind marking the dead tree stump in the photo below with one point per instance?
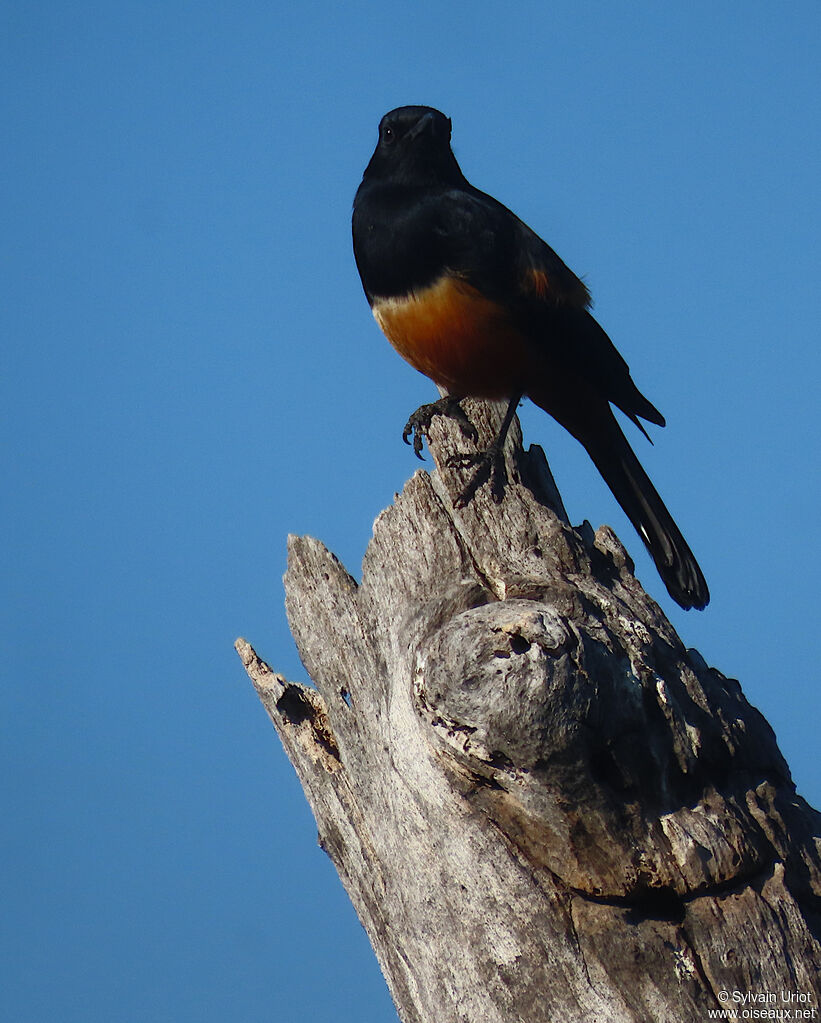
(542, 805)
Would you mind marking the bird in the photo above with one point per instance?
(475, 300)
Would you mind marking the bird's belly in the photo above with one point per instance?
(456, 336)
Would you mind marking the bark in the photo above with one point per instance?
(542, 805)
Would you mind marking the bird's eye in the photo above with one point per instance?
(388, 135)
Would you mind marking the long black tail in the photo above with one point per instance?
(631, 486)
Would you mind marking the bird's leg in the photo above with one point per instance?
(490, 463)
(420, 420)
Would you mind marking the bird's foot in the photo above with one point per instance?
(488, 465)
(419, 423)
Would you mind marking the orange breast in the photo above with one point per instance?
(461, 340)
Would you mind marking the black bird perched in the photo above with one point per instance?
(476, 301)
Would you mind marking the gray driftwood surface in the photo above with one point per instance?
(542, 805)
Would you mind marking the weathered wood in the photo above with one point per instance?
(542, 805)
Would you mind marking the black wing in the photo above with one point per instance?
(484, 242)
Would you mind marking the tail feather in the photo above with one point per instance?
(632, 488)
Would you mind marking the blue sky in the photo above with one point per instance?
(191, 373)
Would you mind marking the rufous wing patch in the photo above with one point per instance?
(563, 288)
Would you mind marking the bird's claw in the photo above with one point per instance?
(488, 465)
(418, 425)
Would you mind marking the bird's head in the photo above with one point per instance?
(414, 147)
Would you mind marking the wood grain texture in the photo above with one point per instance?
(542, 805)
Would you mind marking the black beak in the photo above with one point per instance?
(423, 124)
